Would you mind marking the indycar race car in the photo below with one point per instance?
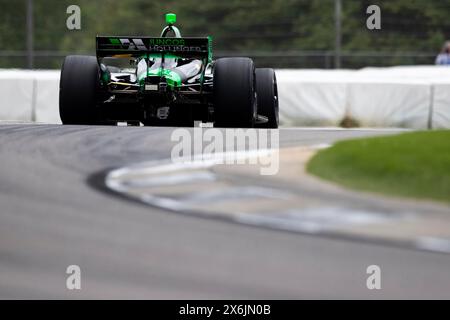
(165, 81)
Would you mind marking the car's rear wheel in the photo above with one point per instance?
(234, 93)
(267, 93)
(77, 90)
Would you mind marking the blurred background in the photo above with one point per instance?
(323, 34)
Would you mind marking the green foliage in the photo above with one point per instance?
(412, 164)
(236, 25)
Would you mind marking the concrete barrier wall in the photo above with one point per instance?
(29, 95)
(410, 97)
(16, 95)
(441, 105)
(374, 104)
(47, 97)
(415, 97)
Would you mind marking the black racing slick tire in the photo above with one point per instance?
(267, 95)
(77, 90)
(234, 93)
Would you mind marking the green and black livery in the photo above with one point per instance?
(169, 81)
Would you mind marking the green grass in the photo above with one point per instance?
(413, 164)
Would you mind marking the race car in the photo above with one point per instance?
(165, 81)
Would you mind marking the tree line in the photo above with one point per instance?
(415, 26)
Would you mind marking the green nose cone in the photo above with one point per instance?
(171, 18)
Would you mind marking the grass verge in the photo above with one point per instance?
(415, 164)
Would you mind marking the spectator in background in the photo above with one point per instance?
(443, 58)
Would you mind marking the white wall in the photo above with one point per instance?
(441, 105)
(412, 97)
(29, 95)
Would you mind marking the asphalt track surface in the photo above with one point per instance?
(53, 214)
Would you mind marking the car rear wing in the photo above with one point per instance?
(120, 46)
